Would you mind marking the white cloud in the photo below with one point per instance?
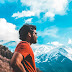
(56, 43)
(69, 41)
(23, 14)
(28, 20)
(50, 15)
(7, 32)
(52, 31)
(49, 7)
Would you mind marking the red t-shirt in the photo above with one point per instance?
(28, 56)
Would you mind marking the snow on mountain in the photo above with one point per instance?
(53, 59)
(45, 52)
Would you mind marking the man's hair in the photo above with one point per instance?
(24, 31)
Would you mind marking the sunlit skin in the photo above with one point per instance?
(34, 36)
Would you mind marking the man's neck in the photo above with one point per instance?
(29, 42)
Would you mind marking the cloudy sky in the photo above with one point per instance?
(53, 19)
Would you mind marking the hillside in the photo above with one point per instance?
(5, 56)
(5, 64)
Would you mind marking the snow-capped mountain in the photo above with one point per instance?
(53, 59)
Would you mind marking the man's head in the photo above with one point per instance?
(28, 32)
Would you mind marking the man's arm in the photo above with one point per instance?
(16, 62)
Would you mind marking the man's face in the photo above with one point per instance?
(34, 37)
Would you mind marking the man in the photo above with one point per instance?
(23, 58)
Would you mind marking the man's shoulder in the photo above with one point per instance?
(22, 46)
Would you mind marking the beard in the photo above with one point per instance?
(33, 40)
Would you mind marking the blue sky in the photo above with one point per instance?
(53, 19)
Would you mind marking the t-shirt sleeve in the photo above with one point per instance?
(23, 49)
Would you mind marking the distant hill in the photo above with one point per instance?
(5, 56)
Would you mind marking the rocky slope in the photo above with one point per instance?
(5, 64)
(5, 56)
(5, 52)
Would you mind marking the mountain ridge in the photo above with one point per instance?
(54, 61)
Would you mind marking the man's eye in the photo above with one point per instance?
(36, 33)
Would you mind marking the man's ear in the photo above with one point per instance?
(29, 34)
